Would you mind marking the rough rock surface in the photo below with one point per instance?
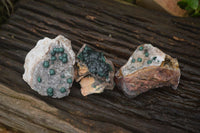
(49, 67)
(94, 71)
(147, 68)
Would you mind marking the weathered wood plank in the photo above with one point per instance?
(116, 30)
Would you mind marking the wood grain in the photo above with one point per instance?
(116, 30)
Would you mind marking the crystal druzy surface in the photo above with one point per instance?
(95, 62)
(94, 71)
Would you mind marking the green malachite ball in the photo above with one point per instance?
(58, 50)
(39, 79)
(61, 50)
(55, 50)
(154, 58)
(149, 62)
(140, 48)
(101, 74)
(98, 88)
(86, 47)
(53, 58)
(139, 59)
(62, 90)
(64, 60)
(60, 58)
(80, 57)
(52, 72)
(69, 80)
(133, 61)
(50, 91)
(53, 53)
(46, 64)
(64, 55)
(146, 54)
(62, 76)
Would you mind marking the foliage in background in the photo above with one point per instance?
(6, 8)
(192, 7)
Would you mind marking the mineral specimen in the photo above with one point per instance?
(94, 71)
(49, 67)
(147, 68)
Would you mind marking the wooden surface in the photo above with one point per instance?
(115, 29)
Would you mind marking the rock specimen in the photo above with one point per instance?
(169, 6)
(147, 68)
(49, 67)
(94, 71)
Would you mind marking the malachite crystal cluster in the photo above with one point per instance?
(94, 72)
(63, 57)
(49, 67)
(146, 54)
(95, 62)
